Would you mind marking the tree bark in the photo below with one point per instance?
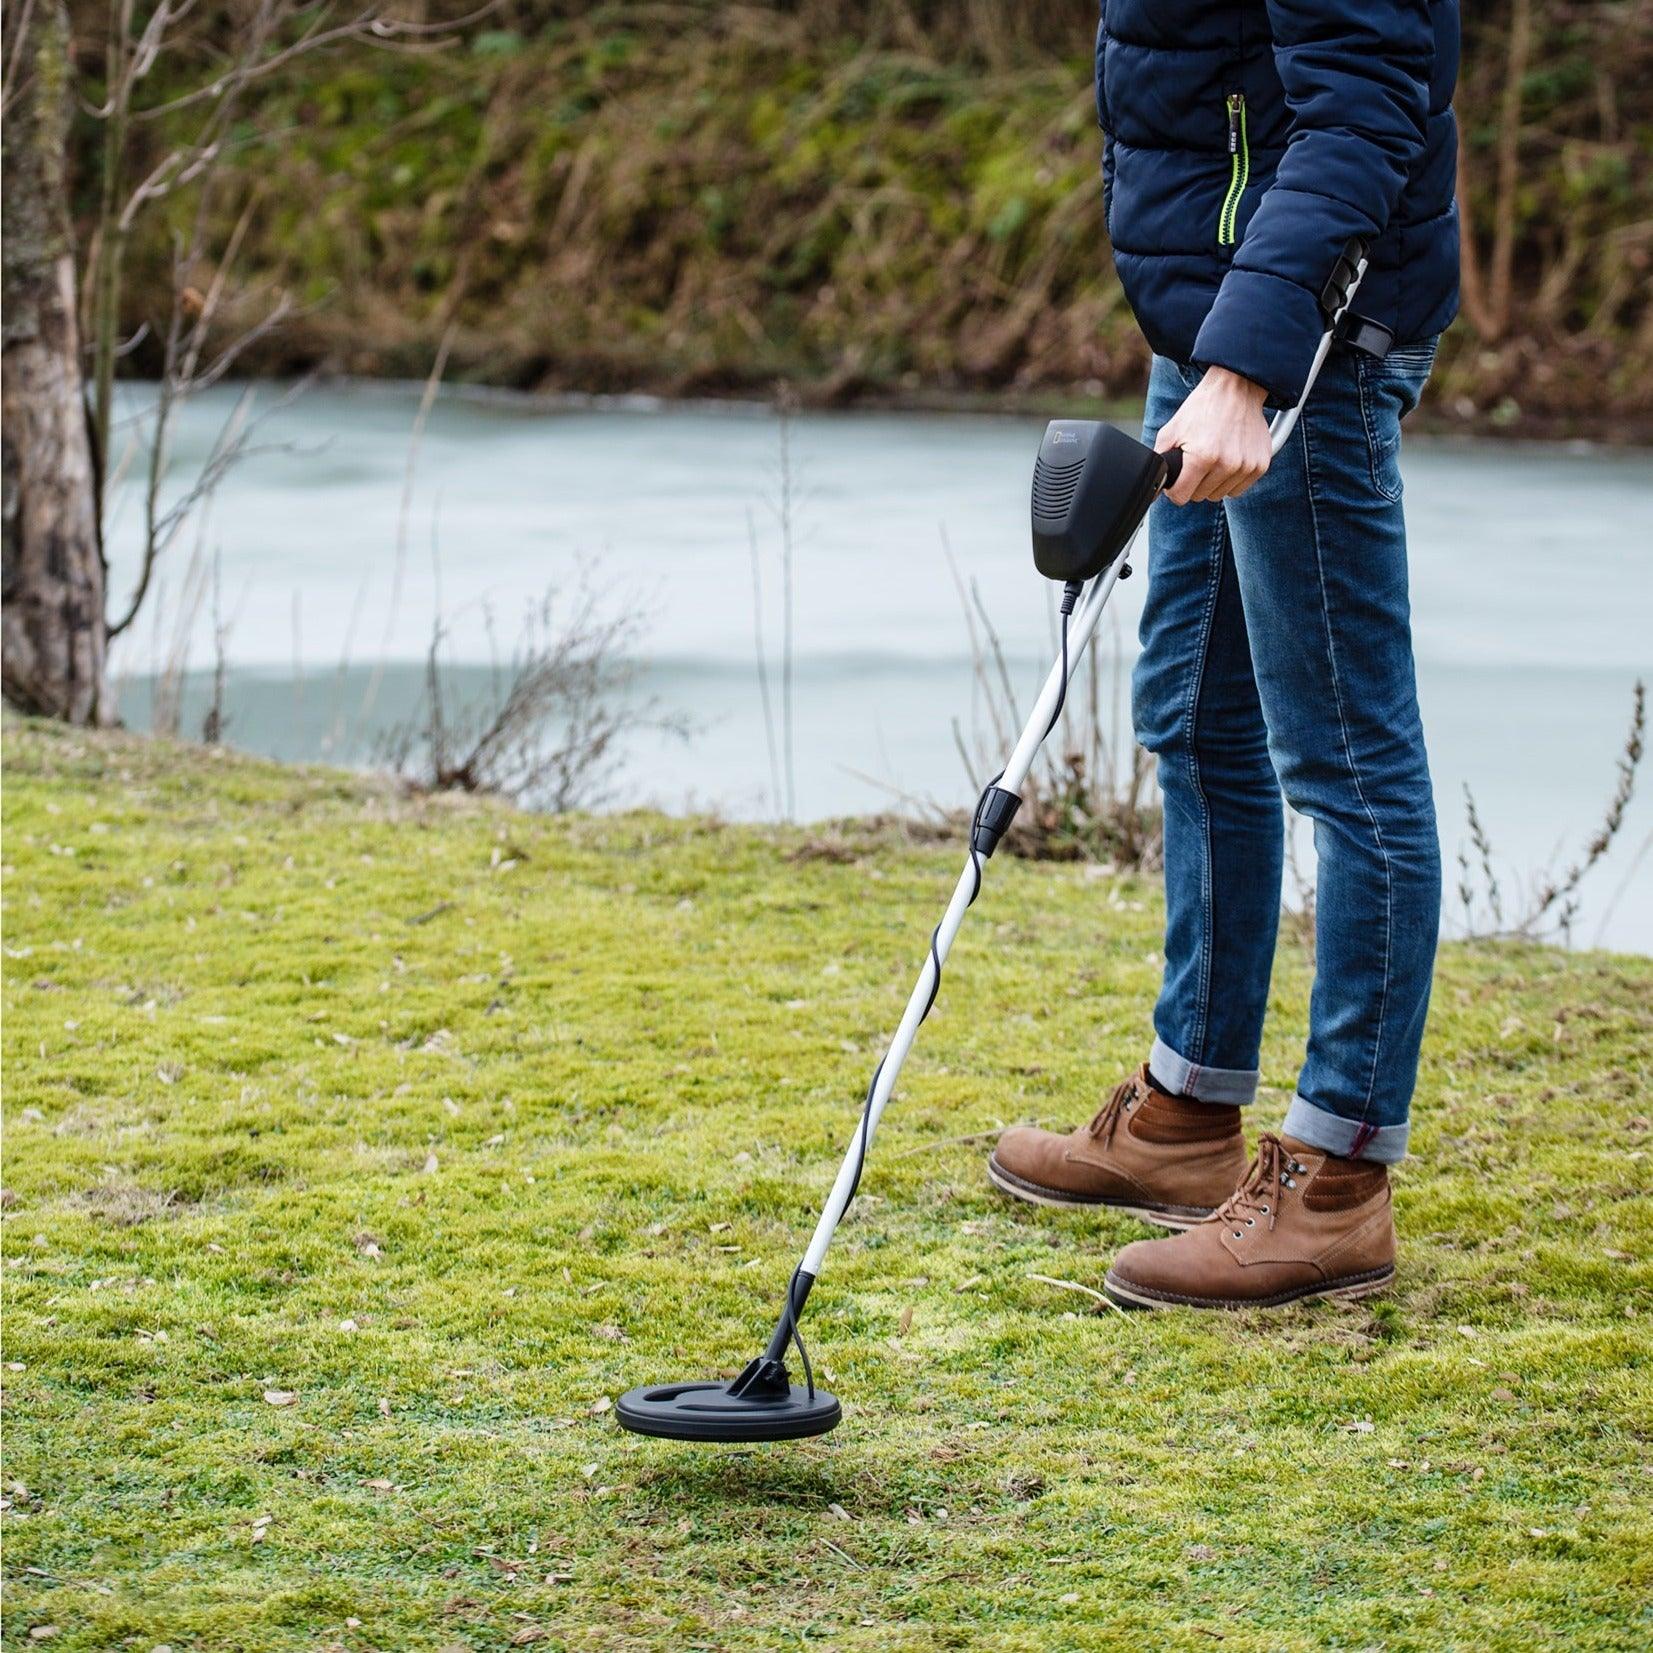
(52, 623)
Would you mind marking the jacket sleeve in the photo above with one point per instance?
(1356, 76)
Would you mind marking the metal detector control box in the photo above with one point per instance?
(1092, 486)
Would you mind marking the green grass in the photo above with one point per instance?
(544, 1108)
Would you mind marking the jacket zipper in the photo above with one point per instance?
(1239, 174)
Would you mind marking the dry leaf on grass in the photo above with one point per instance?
(1073, 1285)
(281, 1397)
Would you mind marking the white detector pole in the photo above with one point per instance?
(1081, 628)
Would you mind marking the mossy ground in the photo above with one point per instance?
(544, 1107)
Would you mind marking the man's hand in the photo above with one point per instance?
(1223, 436)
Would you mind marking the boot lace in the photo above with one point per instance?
(1125, 1096)
(1274, 1170)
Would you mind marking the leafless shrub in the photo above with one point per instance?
(404, 523)
(784, 504)
(548, 729)
(1091, 792)
(763, 660)
(1298, 915)
(160, 76)
(1481, 843)
(785, 408)
(216, 721)
(1554, 903)
(170, 646)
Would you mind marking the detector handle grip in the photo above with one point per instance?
(1340, 290)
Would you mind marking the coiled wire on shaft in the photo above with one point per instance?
(790, 1313)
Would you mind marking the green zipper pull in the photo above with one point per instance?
(1239, 152)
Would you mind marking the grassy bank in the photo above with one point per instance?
(872, 201)
(357, 1149)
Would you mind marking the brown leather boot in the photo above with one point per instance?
(1302, 1224)
(1156, 1156)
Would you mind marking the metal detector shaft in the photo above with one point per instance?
(1080, 630)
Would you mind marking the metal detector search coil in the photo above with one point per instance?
(1092, 486)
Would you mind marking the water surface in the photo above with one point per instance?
(1532, 596)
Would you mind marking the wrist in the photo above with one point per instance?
(1224, 381)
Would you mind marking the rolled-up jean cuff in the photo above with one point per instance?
(1333, 1134)
(1233, 1086)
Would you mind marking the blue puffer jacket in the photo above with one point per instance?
(1246, 141)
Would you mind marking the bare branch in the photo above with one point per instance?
(1555, 903)
(763, 660)
(404, 514)
(13, 56)
(549, 730)
(371, 27)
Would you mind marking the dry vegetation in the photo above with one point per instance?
(874, 199)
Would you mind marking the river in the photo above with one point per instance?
(1532, 597)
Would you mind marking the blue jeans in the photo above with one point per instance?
(1277, 657)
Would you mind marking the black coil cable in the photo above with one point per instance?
(1070, 596)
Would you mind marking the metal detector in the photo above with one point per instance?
(1092, 486)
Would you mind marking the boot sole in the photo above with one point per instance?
(1349, 1289)
(1164, 1216)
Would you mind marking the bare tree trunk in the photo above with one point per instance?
(1509, 166)
(54, 630)
(1472, 292)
